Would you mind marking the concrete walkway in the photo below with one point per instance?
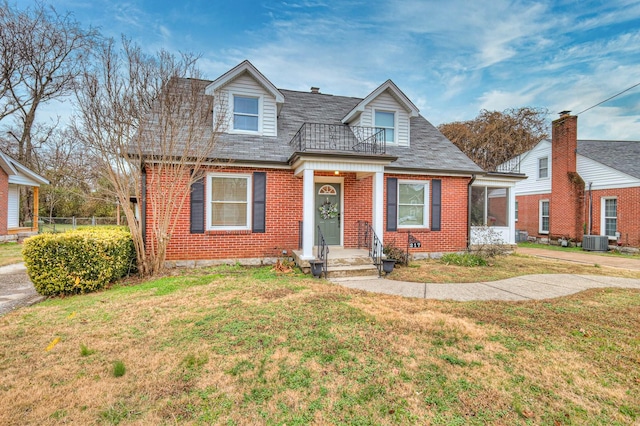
(16, 289)
(527, 287)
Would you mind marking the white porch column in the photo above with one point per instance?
(307, 214)
(378, 205)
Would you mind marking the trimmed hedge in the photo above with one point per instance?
(78, 261)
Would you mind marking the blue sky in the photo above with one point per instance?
(451, 58)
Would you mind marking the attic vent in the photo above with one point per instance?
(315, 90)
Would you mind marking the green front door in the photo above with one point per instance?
(328, 212)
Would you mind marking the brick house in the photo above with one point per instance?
(290, 163)
(13, 176)
(576, 187)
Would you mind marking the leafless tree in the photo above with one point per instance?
(141, 117)
(494, 137)
(42, 54)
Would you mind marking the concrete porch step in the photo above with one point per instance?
(352, 271)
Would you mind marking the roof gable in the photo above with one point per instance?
(242, 68)
(20, 174)
(397, 94)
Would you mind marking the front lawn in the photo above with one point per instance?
(248, 346)
(575, 249)
(502, 267)
(10, 253)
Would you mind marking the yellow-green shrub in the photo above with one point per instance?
(78, 261)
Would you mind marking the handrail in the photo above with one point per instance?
(323, 251)
(368, 239)
(339, 137)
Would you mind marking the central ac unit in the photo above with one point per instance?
(595, 242)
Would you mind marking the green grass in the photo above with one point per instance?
(250, 346)
(10, 253)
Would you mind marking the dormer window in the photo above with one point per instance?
(386, 120)
(245, 113)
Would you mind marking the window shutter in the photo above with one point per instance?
(197, 207)
(436, 204)
(259, 202)
(392, 204)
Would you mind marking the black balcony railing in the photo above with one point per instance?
(339, 137)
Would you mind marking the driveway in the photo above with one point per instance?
(15, 288)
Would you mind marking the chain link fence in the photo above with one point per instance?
(62, 224)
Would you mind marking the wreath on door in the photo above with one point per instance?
(328, 210)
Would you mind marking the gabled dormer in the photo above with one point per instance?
(249, 101)
(385, 108)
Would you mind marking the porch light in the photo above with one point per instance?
(337, 172)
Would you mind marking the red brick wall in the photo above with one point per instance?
(284, 210)
(628, 213)
(453, 233)
(529, 214)
(4, 202)
(565, 207)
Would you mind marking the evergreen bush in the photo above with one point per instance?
(78, 261)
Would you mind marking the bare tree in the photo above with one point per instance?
(152, 129)
(42, 54)
(494, 137)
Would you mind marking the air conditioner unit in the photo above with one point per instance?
(595, 242)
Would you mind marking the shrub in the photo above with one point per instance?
(78, 261)
(465, 259)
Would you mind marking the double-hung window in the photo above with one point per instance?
(246, 113)
(412, 204)
(543, 168)
(609, 216)
(386, 120)
(544, 217)
(229, 205)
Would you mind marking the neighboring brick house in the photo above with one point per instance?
(576, 187)
(290, 162)
(14, 175)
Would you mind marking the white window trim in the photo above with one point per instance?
(548, 168)
(427, 204)
(232, 95)
(515, 211)
(603, 221)
(540, 230)
(395, 123)
(208, 201)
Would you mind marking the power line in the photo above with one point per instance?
(608, 99)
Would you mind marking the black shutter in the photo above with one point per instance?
(436, 204)
(392, 204)
(197, 207)
(259, 202)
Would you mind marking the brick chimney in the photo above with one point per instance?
(567, 187)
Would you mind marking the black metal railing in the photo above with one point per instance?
(339, 137)
(323, 252)
(300, 223)
(368, 239)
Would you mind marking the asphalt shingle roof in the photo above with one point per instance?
(620, 155)
(430, 150)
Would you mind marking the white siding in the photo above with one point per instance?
(247, 86)
(14, 207)
(386, 102)
(529, 167)
(603, 177)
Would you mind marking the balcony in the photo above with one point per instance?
(339, 138)
(510, 166)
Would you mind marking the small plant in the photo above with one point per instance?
(464, 259)
(392, 251)
(119, 369)
(488, 243)
(85, 351)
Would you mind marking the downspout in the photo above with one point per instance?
(590, 209)
(473, 178)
